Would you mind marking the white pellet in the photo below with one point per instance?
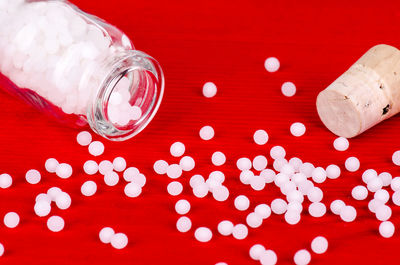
(269, 257)
(177, 149)
(374, 204)
(386, 229)
(119, 164)
(11, 219)
(278, 206)
(182, 206)
(297, 129)
(386, 178)
(243, 163)
(225, 228)
(375, 184)
(352, 164)
(318, 175)
(89, 188)
(277, 152)
(42, 208)
(396, 197)
(307, 169)
(271, 64)
(242, 203)
(254, 220)
(111, 178)
(394, 185)
(209, 90)
(139, 179)
(174, 188)
(260, 162)
(368, 175)
(55, 223)
(348, 213)
(96, 148)
(220, 193)
(263, 210)
(359, 192)
(218, 158)
(90, 167)
(184, 224)
(119, 241)
(279, 163)
(333, 171)
(341, 144)
(396, 158)
(295, 162)
(105, 166)
(200, 190)
(160, 167)
(319, 245)
(187, 163)
(240, 231)
(295, 206)
(336, 206)
(53, 192)
(246, 176)
(315, 194)
(203, 234)
(288, 89)
(268, 175)
(1, 249)
(281, 179)
(383, 212)
(174, 171)
(257, 183)
(207, 133)
(64, 170)
(382, 195)
(63, 200)
(33, 176)
(256, 251)
(51, 165)
(195, 180)
(260, 137)
(132, 190)
(84, 138)
(105, 234)
(292, 217)
(302, 257)
(317, 209)
(130, 173)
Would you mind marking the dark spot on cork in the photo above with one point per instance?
(346, 97)
(381, 86)
(394, 73)
(386, 109)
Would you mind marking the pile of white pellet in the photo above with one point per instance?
(51, 49)
(297, 181)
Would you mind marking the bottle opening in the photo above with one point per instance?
(128, 98)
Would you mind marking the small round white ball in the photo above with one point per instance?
(1, 249)
(288, 89)
(315, 194)
(382, 195)
(177, 149)
(11, 219)
(271, 64)
(359, 192)
(225, 228)
(89, 188)
(257, 183)
(386, 229)
(260, 137)
(182, 206)
(348, 213)
(218, 158)
(260, 162)
(302, 257)
(42, 208)
(318, 175)
(184, 224)
(106, 234)
(64, 170)
(386, 178)
(174, 171)
(132, 190)
(277, 152)
(292, 217)
(55, 223)
(51, 165)
(341, 144)
(174, 188)
(336, 206)
(240, 231)
(5, 181)
(383, 212)
(297, 129)
(84, 138)
(319, 245)
(90, 167)
(375, 184)
(119, 241)
(368, 175)
(207, 133)
(254, 220)
(203, 234)
(96, 148)
(256, 251)
(242, 203)
(119, 164)
(352, 164)
(220, 193)
(187, 163)
(278, 206)
(63, 200)
(160, 167)
(396, 158)
(111, 178)
(209, 90)
(333, 171)
(33, 176)
(317, 209)
(269, 257)
(243, 163)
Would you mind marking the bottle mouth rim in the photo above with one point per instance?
(128, 62)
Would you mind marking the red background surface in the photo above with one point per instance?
(225, 42)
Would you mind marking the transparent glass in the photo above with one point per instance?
(77, 68)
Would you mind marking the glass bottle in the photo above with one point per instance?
(77, 67)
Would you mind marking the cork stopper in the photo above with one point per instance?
(366, 94)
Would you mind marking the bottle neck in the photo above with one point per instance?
(139, 79)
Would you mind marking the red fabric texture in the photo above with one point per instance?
(225, 42)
